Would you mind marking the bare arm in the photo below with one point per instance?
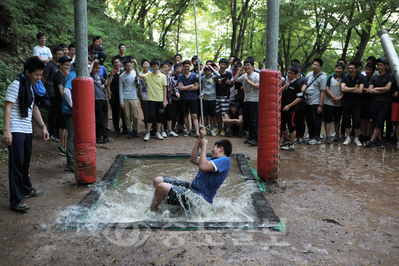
(7, 136)
(136, 67)
(253, 85)
(204, 164)
(194, 154)
(380, 90)
(38, 117)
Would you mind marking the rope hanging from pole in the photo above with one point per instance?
(199, 65)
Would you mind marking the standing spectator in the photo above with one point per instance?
(172, 89)
(64, 64)
(250, 81)
(177, 111)
(292, 95)
(40, 51)
(64, 48)
(128, 99)
(395, 109)
(48, 80)
(100, 58)
(142, 90)
(366, 126)
(314, 97)
(352, 86)
(188, 87)
(72, 51)
(156, 96)
(101, 107)
(95, 44)
(122, 56)
(231, 63)
(20, 106)
(332, 103)
(380, 86)
(223, 94)
(300, 113)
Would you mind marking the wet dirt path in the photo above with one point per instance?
(340, 206)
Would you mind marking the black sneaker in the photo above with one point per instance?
(381, 145)
(107, 139)
(247, 141)
(34, 193)
(253, 142)
(229, 133)
(21, 206)
(368, 144)
(99, 141)
(61, 151)
(70, 168)
(135, 133)
(241, 134)
(109, 129)
(130, 136)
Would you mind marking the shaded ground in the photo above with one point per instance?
(340, 205)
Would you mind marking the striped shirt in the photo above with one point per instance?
(17, 123)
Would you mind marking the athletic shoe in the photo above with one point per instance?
(70, 168)
(397, 145)
(21, 206)
(130, 136)
(307, 140)
(147, 136)
(357, 142)
(300, 141)
(336, 137)
(381, 145)
(321, 136)
(117, 133)
(215, 125)
(107, 139)
(163, 134)
(284, 142)
(247, 141)
(171, 133)
(188, 134)
(253, 142)
(192, 129)
(100, 141)
(34, 193)
(158, 135)
(109, 129)
(288, 146)
(54, 138)
(208, 127)
(387, 141)
(61, 151)
(314, 142)
(229, 133)
(135, 133)
(213, 133)
(241, 134)
(368, 144)
(197, 135)
(218, 131)
(347, 141)
(222, 133)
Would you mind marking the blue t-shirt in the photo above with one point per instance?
(192, 79)
(206, 184)
(66, 109)
(103, 72)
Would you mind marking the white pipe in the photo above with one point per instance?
(390, 53)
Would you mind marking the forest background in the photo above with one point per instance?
(329, 29)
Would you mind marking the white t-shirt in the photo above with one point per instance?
(17, 123)
(251, 94)
(44, 52)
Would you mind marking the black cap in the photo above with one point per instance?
(381, 60)
(64, 59)
(207, 67)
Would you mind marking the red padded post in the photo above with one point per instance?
(269, 124)
(84, 127)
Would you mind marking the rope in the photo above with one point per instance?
(199, 65)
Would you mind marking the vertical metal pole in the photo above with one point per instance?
(273, 9)
(198, 62)
(390, 53)
(81, 38)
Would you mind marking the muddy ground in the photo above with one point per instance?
(339, 203)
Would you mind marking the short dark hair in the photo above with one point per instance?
(319, 60)
(339, 64)
(129, 57)
(169, 62)
(295, 60)
(342, 59)
(127, 62)
(207, 61)
(238, 65)
(293, 68)
(119, 46)
(236, 60)
(194, 58)
(295, 63)
(63, 45)
(224, 60)
(353, 63)
(370, 65)
(56, 49)
(232, 56)
(249, 60)
(226, 144)
(177, 55)
(186, 62)
(113, 59)
(177, 65)
(154, 62)
(144, 60)
(359, 63)
(96, 64)
(372, 58)
(235, 103)
(33, 64)
(40, 34)
(95, 38)
(164, 63)
(280, 62)
(72, 45)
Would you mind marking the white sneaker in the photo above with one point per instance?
(358, 143)
(158, 135)
(147, 137)
(347, 141)
(321, 136)
(213, 133)
(171, 133)
(163, 134)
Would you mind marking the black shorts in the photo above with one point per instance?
(60, 118)
(168, 112)
(332, 113)
(365, 113)
(209, 108)
(189, 106)
(288, 117)
(351, 110)
(155, 110)
(177, 193)
(380, 111)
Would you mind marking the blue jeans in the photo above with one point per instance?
(18, 166)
